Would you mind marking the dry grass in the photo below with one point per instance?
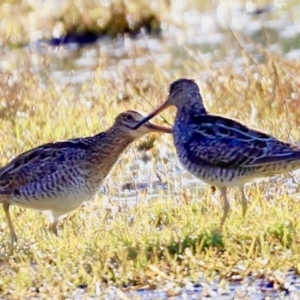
(27, 20)
(172, 237)
(24, 21)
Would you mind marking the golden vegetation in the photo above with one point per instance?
(173, 237)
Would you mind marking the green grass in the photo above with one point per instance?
(174, 237)
(147, 246)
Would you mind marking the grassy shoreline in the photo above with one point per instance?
(25, 21)
(172, 238)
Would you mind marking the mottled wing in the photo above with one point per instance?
(34, 165)
(219, 142)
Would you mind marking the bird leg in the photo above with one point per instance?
(226, 206)
(53, 226)
(244, 201)
(10, 223)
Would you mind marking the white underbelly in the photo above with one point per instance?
(221, 177)
(57, 205)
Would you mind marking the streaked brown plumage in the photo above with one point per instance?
(221, 151)
(56, 178)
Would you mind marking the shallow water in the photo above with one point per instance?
(208, 37)
(205, 36)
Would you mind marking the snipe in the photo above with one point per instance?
(221, 151)
(56, 178)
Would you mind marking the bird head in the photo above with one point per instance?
(182, 91)
(129, 119)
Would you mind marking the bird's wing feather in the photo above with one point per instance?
(222, 142)
(39, 162)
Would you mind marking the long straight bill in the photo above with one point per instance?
(151, 115)
(157, 128)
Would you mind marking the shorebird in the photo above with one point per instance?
(58, 177)
(220, 151)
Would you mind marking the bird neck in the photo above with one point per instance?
(184, 118)
(104, 152)
(112, 143)
(190, 109)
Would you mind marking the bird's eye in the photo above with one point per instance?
(129, 118)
